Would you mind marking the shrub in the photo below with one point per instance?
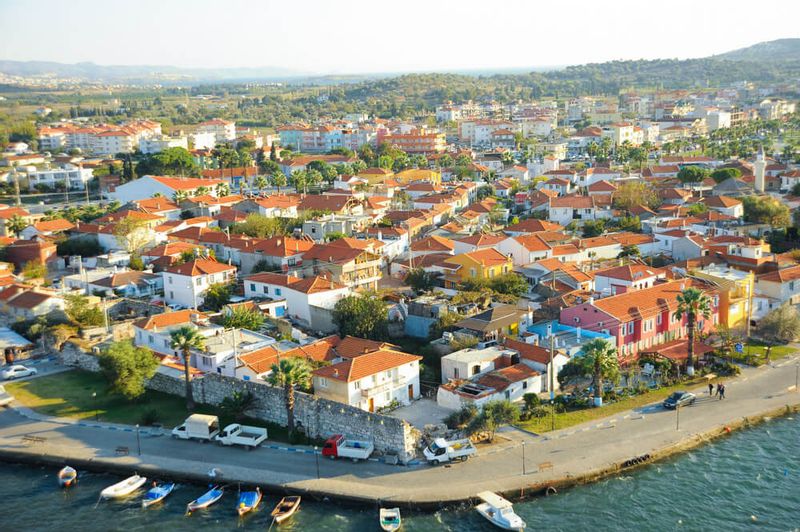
(149, 417)
(531, 401)
(461, 417)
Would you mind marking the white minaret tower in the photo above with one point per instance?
(759, 169)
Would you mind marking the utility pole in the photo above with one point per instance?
(551, 371)
(16, 185)
(749, 303)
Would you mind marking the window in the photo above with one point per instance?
(171, 294)
(507, 394)
(387, 396)
(323, 382)
(166, 343)
(356, 385)
(266, 289)
(476, 369)
(199, 281)
(455, 373)
(630, 328)
(252, 287)
(277, 291)
(524, 385)
(658, 319)
(472, 272)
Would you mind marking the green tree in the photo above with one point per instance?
(243, 318)
(258, 226)
(300, 180)
(290, 373)
(260, 183)
(693, 304)
(511, 284)
(721, 174)
(81, 312)
(132, 234)
(494, 415)
(278, 180)
(16, 224)
(127, 367)
(630, 250)
(692, 174)
(136, 263)
(34, 269)
(420, 280)
(781, 324)
(237, 404)
(767, 210)
(634, 193)
(599, 359)
(364, 316)
(217, 296)
(593, 228)
(183, 340)
(629, 223)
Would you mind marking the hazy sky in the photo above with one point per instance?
(378, 35)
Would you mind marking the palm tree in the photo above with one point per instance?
(223, 189)
(288, 373)
(184, 340)
(278, 180)
(692, 304)
(599, 358)
(260, 182)
(16, 224)
(179, 196)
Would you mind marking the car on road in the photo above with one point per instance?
(679, 399)
(18, 371)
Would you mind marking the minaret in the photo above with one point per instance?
(759, 169)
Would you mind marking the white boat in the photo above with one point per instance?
(499, 512)
(390, 519)
(124, 488)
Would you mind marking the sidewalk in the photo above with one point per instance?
(527, 462)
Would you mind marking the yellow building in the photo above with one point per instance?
(479, 264)
(418, 174)
(735, 289)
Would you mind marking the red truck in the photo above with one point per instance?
(338, 447)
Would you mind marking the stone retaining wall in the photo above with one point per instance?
(319, 418)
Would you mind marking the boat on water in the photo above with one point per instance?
(286, 508)
(248, 501)
(390, 519)
(157, 493)
(205, 500)
(499, 512)
(123, 488)
(67, 477)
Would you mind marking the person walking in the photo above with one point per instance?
(722, 392)
(719, 387)
(710, 388)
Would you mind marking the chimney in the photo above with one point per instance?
(335, 372)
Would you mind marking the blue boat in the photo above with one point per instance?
(157, 493)
(206, 499)
(248, 500)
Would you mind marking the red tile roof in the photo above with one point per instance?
(365, 365)
(196, 267)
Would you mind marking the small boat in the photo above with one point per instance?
(286, 508)
(157, 493)
(67, 477)
(499, 512)
(206, 499)
(124, 488)
(390, 519)
(248, 500)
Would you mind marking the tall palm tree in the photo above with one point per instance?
(179, 196)
(288, 373)
(278, 180)
(16, 224)
(692, 304)
(599, 358)
(260, 182)
(184, 340)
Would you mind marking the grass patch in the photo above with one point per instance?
(755, 353)
(576, 417)
(69, 394)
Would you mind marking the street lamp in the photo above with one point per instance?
(138, 442)
(678, 416)
(94, 402)
(523, 459)
(316, 457)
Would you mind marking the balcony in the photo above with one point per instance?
(378, 389)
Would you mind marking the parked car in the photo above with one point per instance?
(5, 398)
(679, 399)
(17, 372)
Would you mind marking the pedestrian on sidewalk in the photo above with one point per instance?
(710, 388)
(722, 392)
(719, 387)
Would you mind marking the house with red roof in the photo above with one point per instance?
(21, 302)
(641, 319)
(370, 381)
(167, 186)
(47, 228)
(525, 249)
(353, 266)
(308, 299)
(186, 284)
(277, 254)
(621, 279)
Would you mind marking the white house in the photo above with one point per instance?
(782, 285)
(370, 381)
(508, 383)
(223, 130)
(153, 332)
(148, 185)
(77, 177)
(525, 249)
(301, 294)
(621, 279)
(160, 143)
(186, 284)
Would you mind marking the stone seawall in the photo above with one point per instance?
(319, 418)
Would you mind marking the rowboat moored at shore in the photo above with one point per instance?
(205, 500)
(123, 488)
(390, 519)
(67, 477)
(157, 494)
(248, 500)
(286, 508)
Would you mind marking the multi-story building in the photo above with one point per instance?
(186, 284)
(163, 142)
(349, 266)
(223, 130)
(417, 141)
(76, 176)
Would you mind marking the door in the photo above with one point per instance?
(371, 404)
(411, 391)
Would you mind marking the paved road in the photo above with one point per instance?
(592, 447)
(45, 366)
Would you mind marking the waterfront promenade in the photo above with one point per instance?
(559, 459)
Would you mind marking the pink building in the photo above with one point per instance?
(640, 319)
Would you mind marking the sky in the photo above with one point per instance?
(363, 36)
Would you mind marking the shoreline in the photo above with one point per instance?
(516, 489)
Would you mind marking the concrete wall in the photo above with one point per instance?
(319, 418)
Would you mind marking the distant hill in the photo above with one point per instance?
(140, 73)
(773, 51)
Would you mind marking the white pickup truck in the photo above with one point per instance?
(441, 450)
(5, 398)
(235, 434)
(197, 427)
